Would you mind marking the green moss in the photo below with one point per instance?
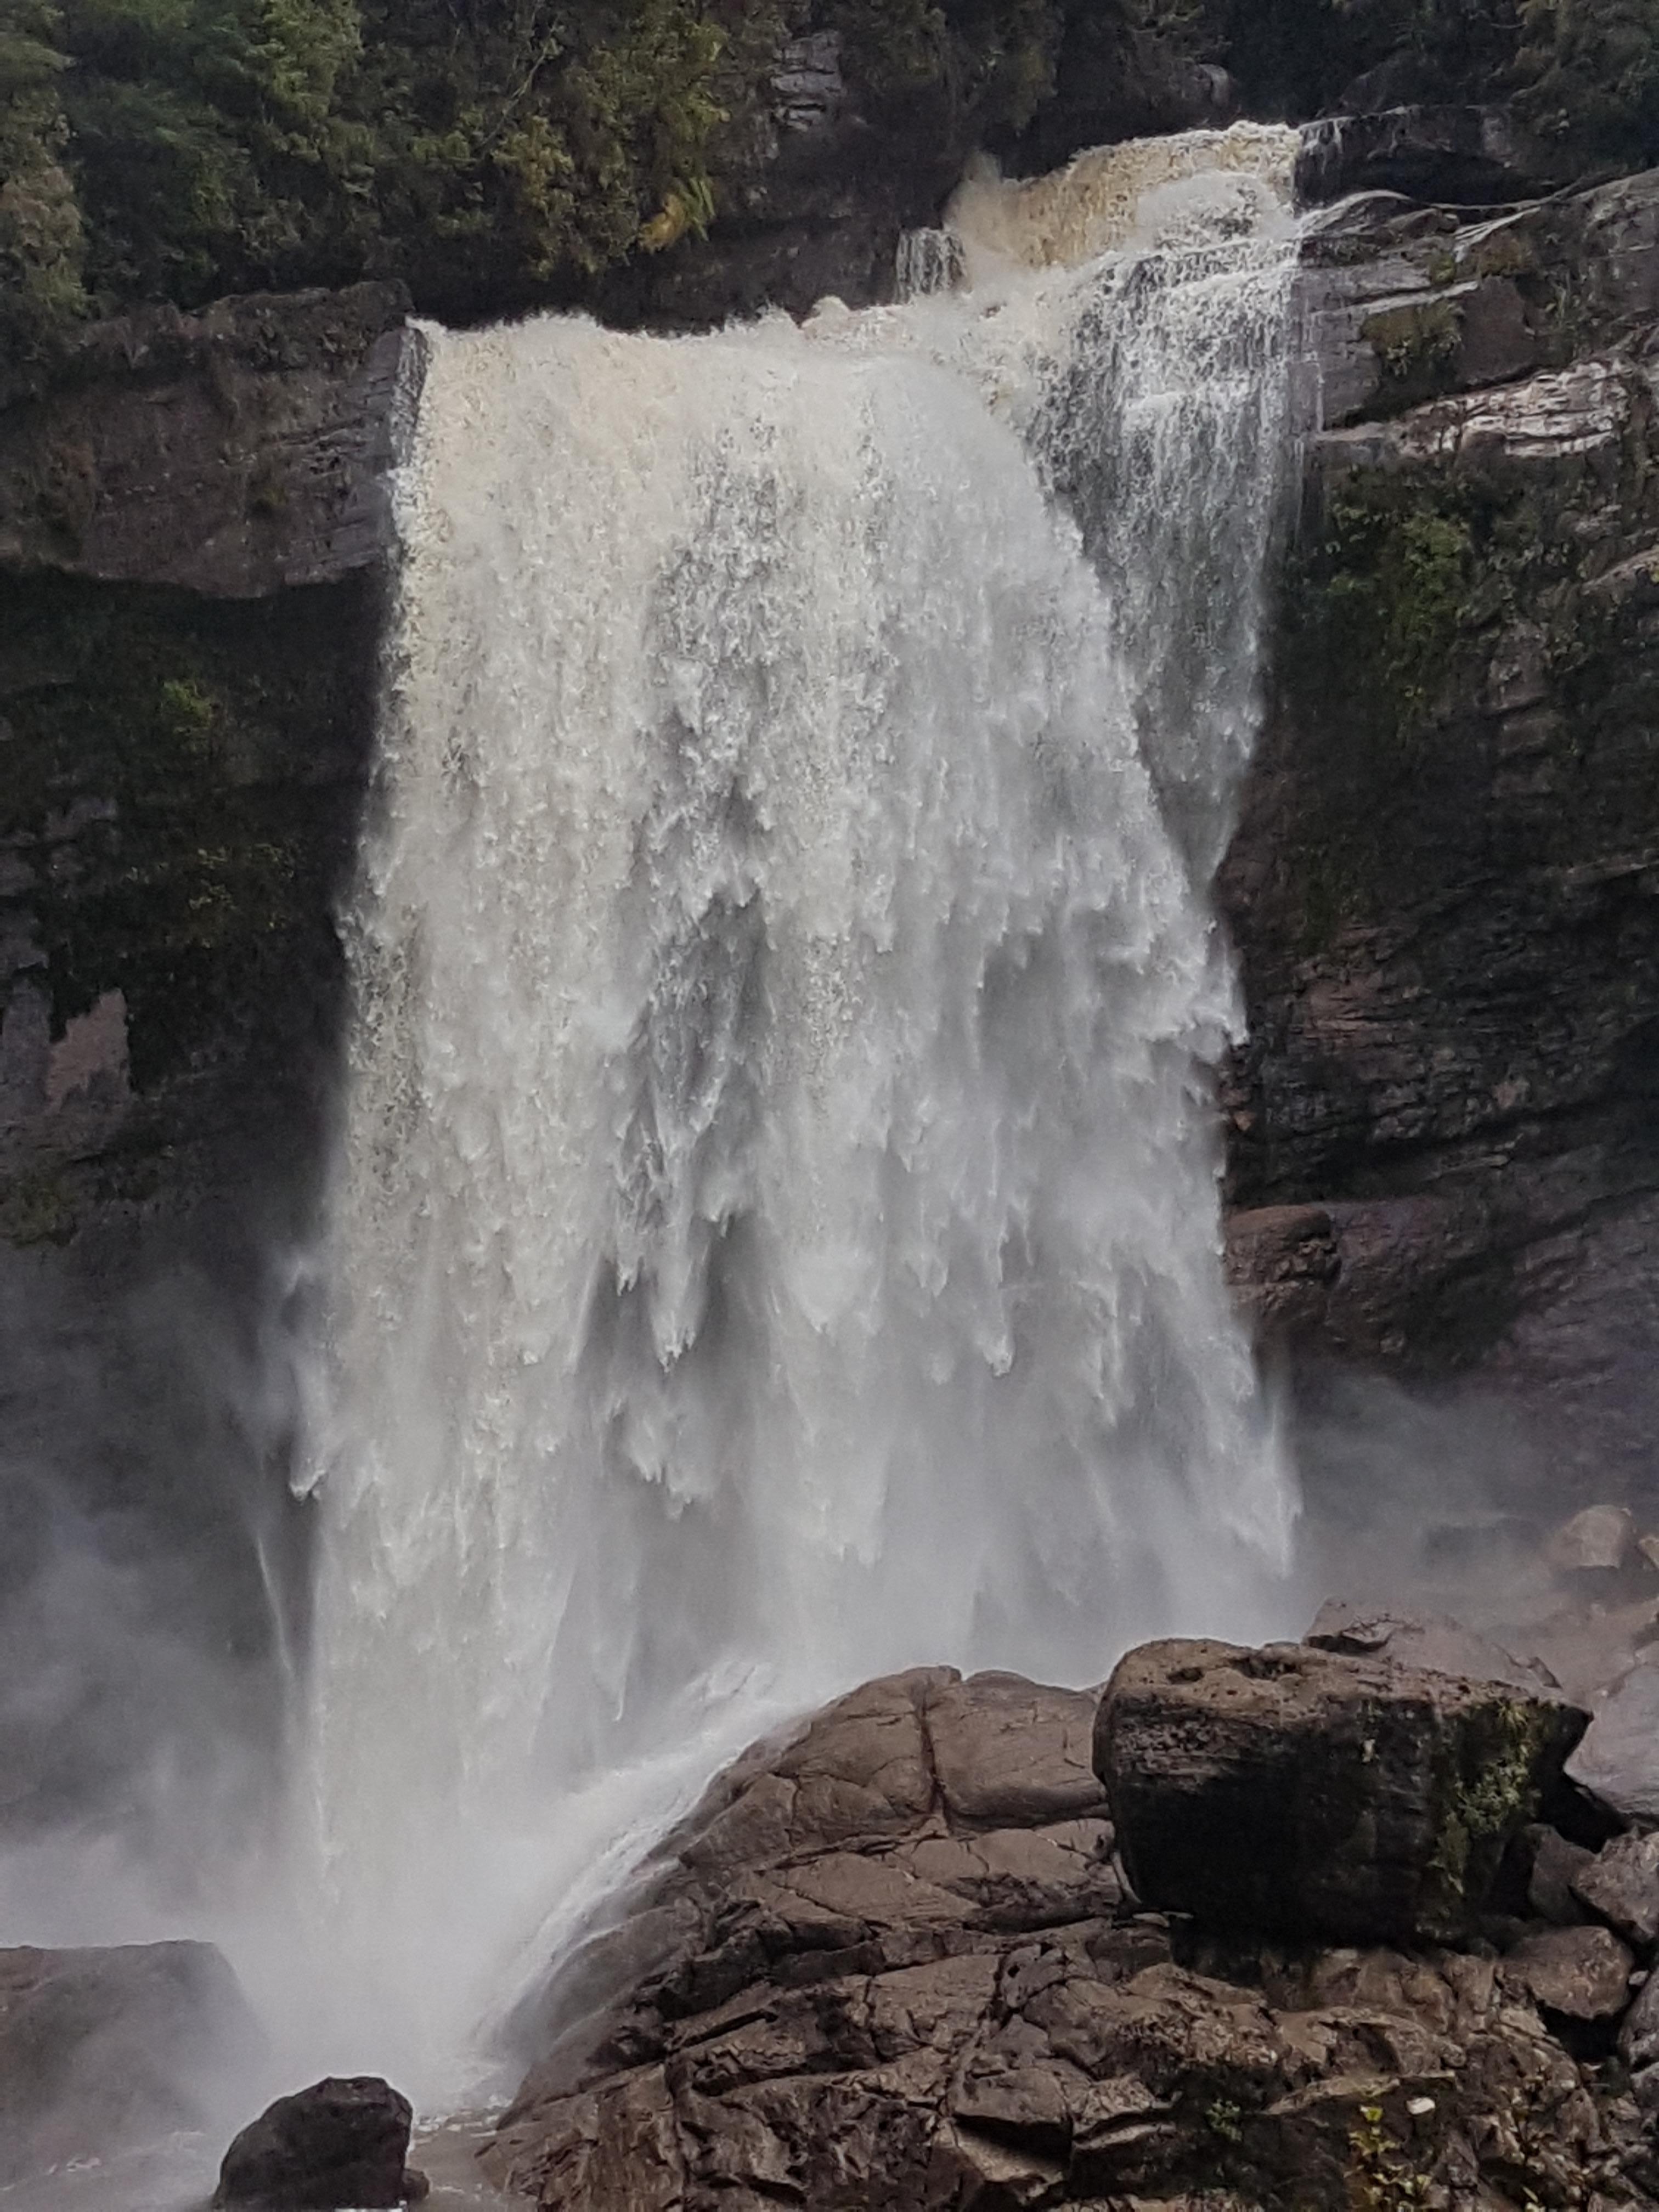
(37, 1207)
(1396, 587)
(1485, 1793)
(1383, 626)
(1416, 345)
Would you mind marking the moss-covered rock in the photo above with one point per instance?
(1316, 1796)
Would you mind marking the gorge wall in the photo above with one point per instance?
(1441, 1163)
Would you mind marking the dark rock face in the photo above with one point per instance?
(1473, 156)
(886, 1962)
(1293, 1789)
(235, 453)
(191, 527)
(1554, 1864)
(1440, 1140)
(103, 2049)
(336, 2145)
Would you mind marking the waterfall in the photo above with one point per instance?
(776, 1233)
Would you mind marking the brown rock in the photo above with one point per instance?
(859, 2022)
(102, 2050)
(1442, 1644)
(1555, 1860)
(1618, 1761)
(1318, 1794)
(1005, 1749)
(1621, 1885)
(1599, 1539)
(1583, 1974)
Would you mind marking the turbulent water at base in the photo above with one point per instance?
(775, 1237)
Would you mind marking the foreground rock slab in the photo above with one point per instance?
(1316, 1793)
(339, 2144)
(887, 1962)
(102, 2050)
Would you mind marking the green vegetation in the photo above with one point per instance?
(1225, 2119)
(494, 153)
(1389, 618)
(1381, 2178)
(1583, 72)
(200, 882)
(1489, 1796)
(1588, 73)
(175, 150)
(489, 152)
(1395, 593)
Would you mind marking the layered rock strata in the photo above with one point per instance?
(1440, 1149)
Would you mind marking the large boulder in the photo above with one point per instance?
(102, 2050)
(1317, 1794)
(339, 2144)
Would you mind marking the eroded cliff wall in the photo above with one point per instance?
(1442, 1142)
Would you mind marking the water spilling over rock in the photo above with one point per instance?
(775, 1231)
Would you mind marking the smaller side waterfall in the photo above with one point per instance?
(776, 1234)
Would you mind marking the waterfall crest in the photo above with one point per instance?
(775, 1234)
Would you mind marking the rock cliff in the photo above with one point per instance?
(1442, 888)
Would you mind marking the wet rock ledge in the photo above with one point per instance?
(919, 1955)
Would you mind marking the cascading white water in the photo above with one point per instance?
(775, 1236)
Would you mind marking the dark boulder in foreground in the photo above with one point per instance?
(1313, 1794)
(102, 2050)
(338, 2144)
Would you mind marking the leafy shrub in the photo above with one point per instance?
(41, 246)
(1590, 74)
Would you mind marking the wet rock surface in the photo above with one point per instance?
(1439, 1643)
(859, 1975)
(338, 2144)
(102, 2049)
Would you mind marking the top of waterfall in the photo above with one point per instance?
(1199, 188)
